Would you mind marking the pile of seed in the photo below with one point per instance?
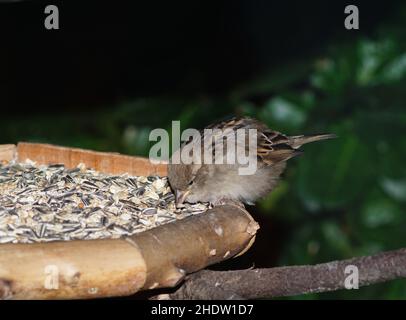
(52, 203)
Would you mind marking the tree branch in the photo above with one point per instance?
(293, 280)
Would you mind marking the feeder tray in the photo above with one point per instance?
(156, 258)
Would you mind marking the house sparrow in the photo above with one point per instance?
(217, 183)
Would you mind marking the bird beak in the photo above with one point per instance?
(180, 197)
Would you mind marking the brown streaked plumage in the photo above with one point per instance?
(214, 183)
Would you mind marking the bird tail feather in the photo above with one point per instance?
(298, 141)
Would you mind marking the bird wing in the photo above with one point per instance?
(272, 146)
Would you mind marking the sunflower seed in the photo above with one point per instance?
(53, 203)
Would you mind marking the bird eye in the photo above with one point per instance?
(191, 182)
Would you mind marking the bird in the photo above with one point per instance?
(217, 183)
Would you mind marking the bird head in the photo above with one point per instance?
(182, 179)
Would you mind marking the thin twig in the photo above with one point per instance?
(292, 280)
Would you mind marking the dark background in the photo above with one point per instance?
(114, 71)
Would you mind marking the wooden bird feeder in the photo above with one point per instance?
(156, 258)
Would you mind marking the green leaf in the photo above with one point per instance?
(333, 173)
(379, 212)
(282, 113)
